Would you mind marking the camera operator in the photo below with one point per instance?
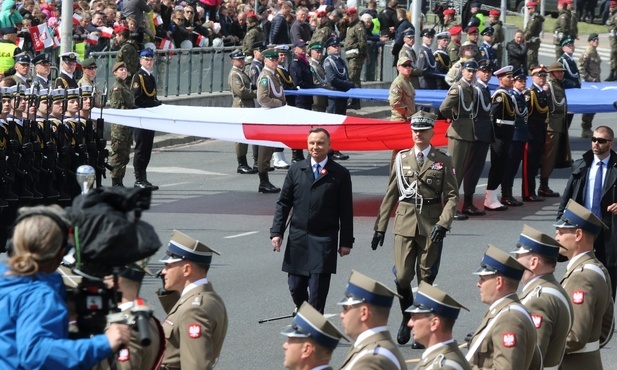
(34, 319)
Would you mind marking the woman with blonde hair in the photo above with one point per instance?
(34, 319)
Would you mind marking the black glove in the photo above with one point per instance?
(438, 233)
(378, 238)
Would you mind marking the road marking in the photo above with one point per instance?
(240, 235)
(184, 170)
(174, 184)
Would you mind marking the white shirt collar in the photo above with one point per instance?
(425, 151)
(65, 72)
(596, 160)
(574, 259)
(367, 333)
(194, 284)
(435, 347)
(148, 72)
(322, 163)
(499, 301)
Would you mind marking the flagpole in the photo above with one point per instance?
(66, 27)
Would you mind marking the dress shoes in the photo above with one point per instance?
(510, 201)
(547, 193)
(246, 170)
(498, 208)
(460, 216)
(533, 198)
(268, 188)
(145, 184)
(472, 210)
(339, 156)
(404, 332)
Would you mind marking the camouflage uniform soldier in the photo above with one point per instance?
(254, 34)
(455, 43)
(323, 31)
(532, 34)
(589, 68)
(129, 51)
(498, 35)
(121, 136)
(562, 27)
(355, 50)
(612, 36)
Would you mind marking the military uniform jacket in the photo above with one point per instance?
(435, 180)
(270, 92)
(319, 74)
(482, 124)
(321, 34)
(241, 91)
(428, 66)
(375, 352)
(521, 133)
(402, 99)
(612, 26)
(498, 35)
(416, 72)
(558, 106)
(195, 329)
(322, 210)
(454, 73)
(129, 54)
(336, 73)
(121, 96)
(538, 112)
(503, 114)
(143, 87)
(458, 106)
(443, 61)
(589, 65)
(533, 30)
(287, 82)
(253, 34)
(509, 337)
(255, 70)
(562, 26)
(20, 80)
(42, 82)
(355, 40)
(571, 77)
(453, 49)
(588, 285)
(552, 314)
(65, 81)
(445, 355)
(488, 53)
(300, 71)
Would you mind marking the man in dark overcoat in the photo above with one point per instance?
(319, 191)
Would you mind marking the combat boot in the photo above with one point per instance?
(117, 181)
(587, 133)
(354, 104)
(545, 191)
(508, 199)
(243, 166)
(612, 76)
(141, 181)
(406, 300)
(265, 186)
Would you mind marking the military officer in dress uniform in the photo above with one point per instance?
(506, 337)
(320, 102)
(571, 77)
(442, 59)
(546, 301)
(532, 34)
(556, 152)
(589, 67)
(498, 34)
(426, 61)
(258, 62)
(562, 27)
(22, 69)
(337, 75)
(588, 285)
(439, 312)
(311, 340)
(612, 37)
(355, 51)
(67, 68)
(270, 94)
(364, 319)
(42, 69)
(120, 97)
(143, 86)
(458, 108)
(486, 49)
(455, 43)
(423, 183)
(407, 50)
(243, 96)
(196, 325)
(503, 118)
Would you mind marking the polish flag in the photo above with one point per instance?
(41, 37)
(166, 44)
(158, 20)
(200, 41)
(107, 32)
(76, 18)
(92, 39)
(56, 38)
(20, 42)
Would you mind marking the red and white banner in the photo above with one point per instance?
(56, 37)
(166, 44)
(92, 39)
(76, 18)
(158, 20)
(41, 38)
(200, 41)
(20, 42)
(107, 32)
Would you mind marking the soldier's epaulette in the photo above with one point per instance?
(444, 151)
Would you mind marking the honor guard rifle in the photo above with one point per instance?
(53, 168)
(5, 183)
(103, 153)
(19, 152)
(30, 136)
(64, 149)
(78, 134)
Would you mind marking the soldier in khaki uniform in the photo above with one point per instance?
(320, 102)
(562, 26)
(355, 50)
(612, 37)
(401, 95)
(442, 352)
(549, 305)
(589, 69)
(254, 34)
(120, 97)
(270, 94)
(588, 285)
(243, 97)
(467, 52)
(423, 183)
(323, 31)
(499, 35)
(407, 51)
(455, 43)
(532, 34)
(196, 325)
(506, 337)
(366, 308)
(129, 50)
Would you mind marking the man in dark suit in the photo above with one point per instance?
(319, 191)
(582, 185)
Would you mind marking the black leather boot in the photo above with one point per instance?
(244, 168)
(141, 181)
(265, 186)
(545, 191)
(115, 181)
(469, 208)
(507, 198)
(404, 332)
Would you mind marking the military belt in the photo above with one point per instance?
(589, 347)
(421, 201)
(504, 122)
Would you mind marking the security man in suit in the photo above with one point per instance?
(486, 49)
(426, 61)
(538, 116)
(42, 69)
(143, 86)
(532, 34)
(588, 285)
(243, 95)
(270, 94)
(503, 119)
(66, 80)
(196, 325)
(458, 107)
(441, 312)
(421, 181)
(364, 319)
(506, 337)
(311, 340)
(549, 305)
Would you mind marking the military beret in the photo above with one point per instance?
(494, 12)
(431, 299)
(22, 58)
(449, 12)
(352, 11)
(488, 31)
(455, 30)
(531, 4)
(592, 36)
(118, 65)
(88, 63)
(532, 240)
(333, 41)
(613, 3)
(496, 261)
(507, 70)
(70, 56)
(575, 216)
(363, 289)
(41, 59)
(309, 323)
(566, 41)
(472, 30)
(183, 247)
(119, 29)
(422, 120)
(146, 53)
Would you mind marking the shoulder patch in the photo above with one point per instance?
(498, 99)
(509, 339)
(136, 85)
(124, 355)
(537, 320)
(527, 97)
(263, 82)
(578, 297)
(194, 331)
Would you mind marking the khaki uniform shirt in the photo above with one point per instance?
(270, 92)
(453, 49)
(445, 356)
(589, 65)
(376, 351)
(240, 86)
(416, 72)
(458, 106)
(558, 106)
(402, 99)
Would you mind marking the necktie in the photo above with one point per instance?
(420, 159)
(597, 192)
(316, 172)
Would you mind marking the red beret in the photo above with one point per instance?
(455, 30)
(449, 12)
(352, 11)
(613, 3)
(471, 30)
(531, 3)
(494, 12)
(119, 29)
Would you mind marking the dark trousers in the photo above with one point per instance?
(477, 159)
(499, 156)
(313, 288)
(337, 106)
(514, 160)
(143, 148)
(532, 156)
(600, 252)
